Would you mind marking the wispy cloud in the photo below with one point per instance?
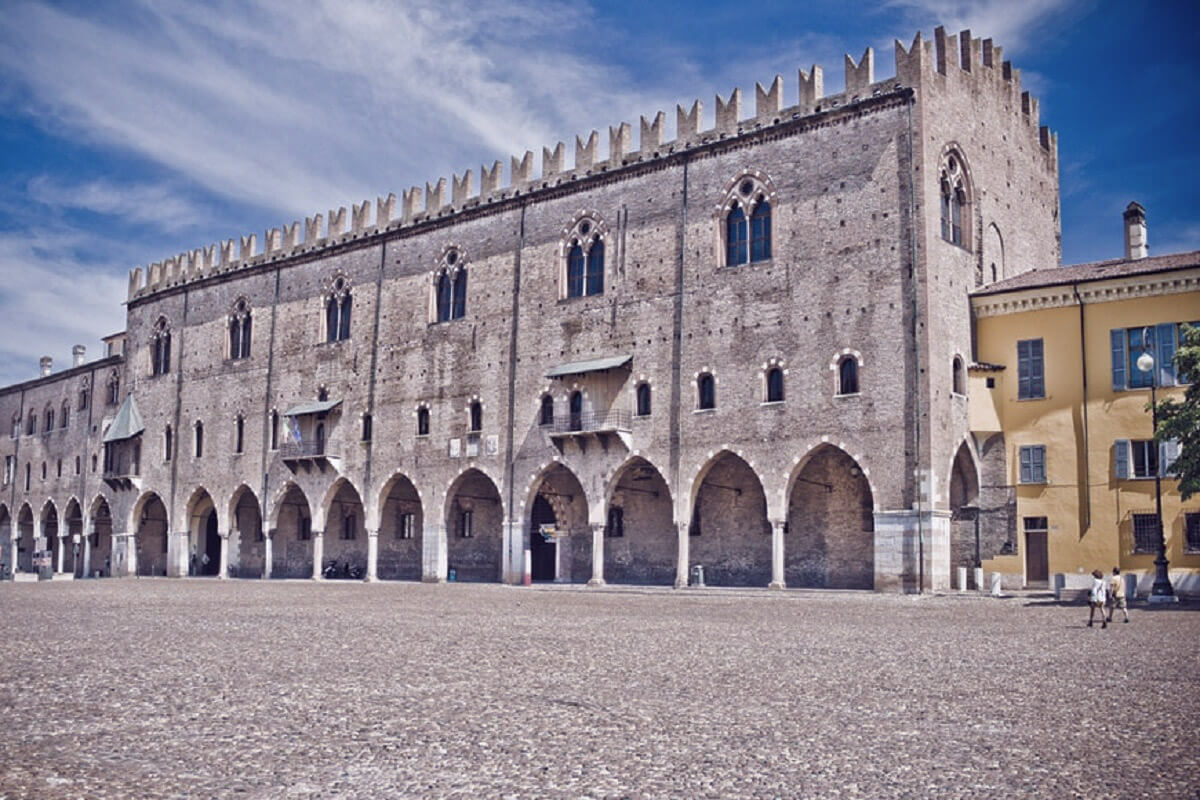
(1013, 24)
(153, 204)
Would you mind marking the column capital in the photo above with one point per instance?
(372, 533)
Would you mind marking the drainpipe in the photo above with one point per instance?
(1086, 520)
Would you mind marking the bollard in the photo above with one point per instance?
(978, 579)
(996, 584)
(697, 575)
(451, 576)
(962, 579)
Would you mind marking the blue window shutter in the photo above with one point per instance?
(1168, 452)
(1121, 457)
(1166, 353)
(1037, 373)
(1118, 360)
(1026, 466)
(1023, 369)
(1039, 464)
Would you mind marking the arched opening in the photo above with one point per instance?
(401, 531)
(706, 392)
(7, 567)
(640, 540)
(247, 550)
(151, 537)
(474, 528)
(848, 375)
(576, 410)
(958, 383)
(25, 541)
(830, 541)
(204, 539)
(965, 520)
(73, 519)
(345, 548)
(559, 537)
(50, 538)
(546, 417)
(100, 547)
(291, 553)
(730, 533)
(643, 400)
(775, 385)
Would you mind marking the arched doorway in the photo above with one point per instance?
(25, 542)
(640, 540)
(474, 528)
(964, 510)
(559, 508)
(152, 537)
(7, 555)
(73, 517)
(100, 546)
(246, 540)
(204, 538)
(50, 538)
(401, 531)
(830, 541)
(345, 541)
(730, 535)
(292, 551)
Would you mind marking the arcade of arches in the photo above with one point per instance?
(474, 528)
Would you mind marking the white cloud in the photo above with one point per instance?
(1012, 24)
(157, 205)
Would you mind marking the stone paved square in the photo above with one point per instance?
(203, 688)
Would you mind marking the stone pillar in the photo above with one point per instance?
(123, 559)
(223, 563)
(268, 553)
(597, 555)
(318, 540)
(777, 581)
(62, 543)
(372, 556)
(87, 555)
(179, 555)
(509, 548)
(681, 555)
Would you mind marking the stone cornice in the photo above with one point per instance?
(1106, 290)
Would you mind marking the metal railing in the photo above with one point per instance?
(590, 422)
(303, 450)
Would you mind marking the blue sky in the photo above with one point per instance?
(132, 131)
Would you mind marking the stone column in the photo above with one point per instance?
(223, 563)
(61, 544)
(318, 540)
(268, 554)
(372, 556)
(777, 581)
(681, 556)
(597, 555)
(433, 554)
(87, 555)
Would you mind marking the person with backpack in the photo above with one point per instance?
(1096, 598)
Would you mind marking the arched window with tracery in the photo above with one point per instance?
(65, 414)
(583, 244)
(450, 287)
(955, 190)
(160, 350)
(48, 416)
(114, 388)
(747, 221)
(338, 304)
(239, 330)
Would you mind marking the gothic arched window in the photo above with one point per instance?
(747, 212)
(643, 400)
(775, 385)
(458, 309)
(422, 421)
(955, 190)
(476, 414)
(239, 330)
(848, 375)
(584, 245)
(338, 304)
(706, 392)
(547, 415)
(576, 410)
(65, 416)
(450, 287)
(958, 385)
(160, 348)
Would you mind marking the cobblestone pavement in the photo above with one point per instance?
(205, 688)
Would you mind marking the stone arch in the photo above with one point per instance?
(400, 520)
(8, 548)
(555, 496)
(729, 532)
(830, 539)
(993, 255)
(72, 527)
(26, 538)
(48, 529)
(100, 546)
(205, 527)
(246, 549)
(343, 521)
(474, 517)
(149, 523)
(290, 529)
(954, 181)
(963, 500)
(641, 540)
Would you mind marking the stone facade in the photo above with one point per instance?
(433, 452)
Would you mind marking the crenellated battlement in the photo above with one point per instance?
(946, 57)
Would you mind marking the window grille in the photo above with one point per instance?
(1191, 527)
(1145, 533)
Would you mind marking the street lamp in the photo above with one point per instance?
(1161, 592)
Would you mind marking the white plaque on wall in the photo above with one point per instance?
(455, 448)
(492, 444)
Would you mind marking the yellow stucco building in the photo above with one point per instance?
(1059, 407)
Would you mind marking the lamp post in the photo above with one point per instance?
(1161, 592)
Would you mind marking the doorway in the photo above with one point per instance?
(543, 554)
(212, 546)
(1037, 558)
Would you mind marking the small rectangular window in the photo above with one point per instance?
(1145, 533)
(1033, 463)
(366, 427)
(466, 524)
(1191, 527)
(615, 528)
(1036, 525)
(1031, 381)
(305, 532)
(405, 524)
(1144, 458)
(349, 527)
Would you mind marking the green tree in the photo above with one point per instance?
(1180, 421)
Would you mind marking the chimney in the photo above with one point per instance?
(1135, 232)
(77, 353)
(47, 362)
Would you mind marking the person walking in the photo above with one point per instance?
(1096, 598)
(1116, 595)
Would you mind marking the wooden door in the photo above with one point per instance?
(1037, 558)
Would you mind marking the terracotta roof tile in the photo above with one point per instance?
(1095, 271)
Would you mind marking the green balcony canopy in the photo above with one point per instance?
(127, 424)
(595, 365)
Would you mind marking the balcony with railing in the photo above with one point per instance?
(306, 454)
(603, 425)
